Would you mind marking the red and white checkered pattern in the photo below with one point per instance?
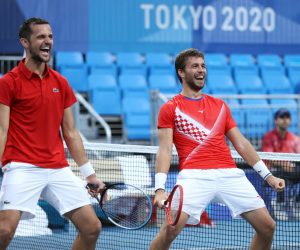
(188, 128)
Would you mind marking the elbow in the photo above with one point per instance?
(242, 146)
(69, 135)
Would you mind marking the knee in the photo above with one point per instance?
(171, 233)
(269, 228)
(94, 230)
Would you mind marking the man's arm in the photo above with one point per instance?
(4, 125)
(248, 153)
(76, 148)
(163, 161)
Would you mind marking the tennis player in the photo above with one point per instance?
(197, 124)
(35, 103)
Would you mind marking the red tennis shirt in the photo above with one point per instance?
(199, 128)
(36, 113)
(273, 142)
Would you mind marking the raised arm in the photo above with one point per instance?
(249, 154)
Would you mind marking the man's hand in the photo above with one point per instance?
(276, 183)
(160, 197)
(98, 185)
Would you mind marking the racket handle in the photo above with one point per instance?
(92, 186)
(164, 202)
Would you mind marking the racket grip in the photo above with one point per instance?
(92, 186)
(164, 202)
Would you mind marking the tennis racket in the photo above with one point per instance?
(173, 205)
(124, 205)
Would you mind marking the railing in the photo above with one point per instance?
(7, 63)
(93, 113)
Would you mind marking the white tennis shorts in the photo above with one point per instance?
(228, 186)
(23, 184)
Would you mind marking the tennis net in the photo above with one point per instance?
(134, 164)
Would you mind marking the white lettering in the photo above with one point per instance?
(147, 8)
(269, 19)
(162, 16)
(179, 21)
(209, 18)
(195, 16)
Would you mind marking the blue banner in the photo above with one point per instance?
(227, 26)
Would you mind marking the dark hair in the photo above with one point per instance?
(182, 58)
(25, 29)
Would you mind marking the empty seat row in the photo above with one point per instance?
(262, 60)
(105, 62)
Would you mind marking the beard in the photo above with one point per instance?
(36, 57)
(194, 86)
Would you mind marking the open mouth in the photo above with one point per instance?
(45, 51)
(200, 78)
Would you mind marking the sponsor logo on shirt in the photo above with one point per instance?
(55, 90)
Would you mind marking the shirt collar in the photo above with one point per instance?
(29, 74)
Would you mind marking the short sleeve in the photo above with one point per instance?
(6, 90)
(166, 116)
(70, 98)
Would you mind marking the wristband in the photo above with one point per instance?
(86, 169)
(261, 168)
(160, 181)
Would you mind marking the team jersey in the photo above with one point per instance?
(199, 128)
(36, 112)
(273, 142)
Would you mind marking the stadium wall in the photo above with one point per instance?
(227, 26)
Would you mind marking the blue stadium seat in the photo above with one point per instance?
(131, 63)
(241, 60)
(163, 83)
(237, 113)
(258, 117)
(249, 84)
(159, 63)
(291, 60)
(158, 59)
(245, 70)
(268, 60)
(77, 76)
(219, 80)
(68, 58)
(102, 81)
(104, 94)
(278, 84)
(215, 59)
(101, 63)
(133, 85)
(294, 76)
(137, 118)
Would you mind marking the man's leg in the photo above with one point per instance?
(88, 225)
(264, 225)
(167, 234)
(9, 220)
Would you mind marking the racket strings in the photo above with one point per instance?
(127, 207)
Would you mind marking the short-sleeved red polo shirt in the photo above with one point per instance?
(36, 113)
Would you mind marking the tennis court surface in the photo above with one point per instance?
(135, 165)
